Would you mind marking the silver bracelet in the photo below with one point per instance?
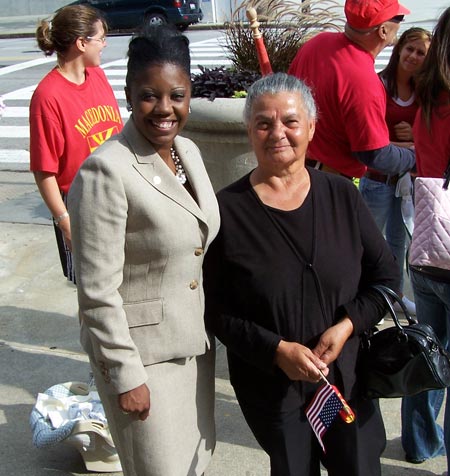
(61, 217)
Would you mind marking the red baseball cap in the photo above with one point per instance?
(363, 14)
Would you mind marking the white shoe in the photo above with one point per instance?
(410, 306)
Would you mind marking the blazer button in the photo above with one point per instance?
(198, 251)
(193, 284)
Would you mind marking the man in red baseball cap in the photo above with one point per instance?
(351, 132)
(367, 14)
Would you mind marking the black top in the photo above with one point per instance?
(273, 275)
(301, 237)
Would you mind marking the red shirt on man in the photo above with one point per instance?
(350, 98)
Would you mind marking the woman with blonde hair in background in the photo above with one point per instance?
(72, 111)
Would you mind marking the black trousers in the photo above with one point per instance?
(287, 437)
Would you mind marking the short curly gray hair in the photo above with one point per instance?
(276, 83)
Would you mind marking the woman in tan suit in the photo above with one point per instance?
(144, 214)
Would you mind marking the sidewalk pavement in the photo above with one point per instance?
(39, 347)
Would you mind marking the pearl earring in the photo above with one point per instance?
(129, 107)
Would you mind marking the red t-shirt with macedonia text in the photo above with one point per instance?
(69, 121)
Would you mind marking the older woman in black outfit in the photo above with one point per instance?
(288, 283)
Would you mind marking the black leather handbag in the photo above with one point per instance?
(402, 360)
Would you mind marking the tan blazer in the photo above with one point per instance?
(139, 240)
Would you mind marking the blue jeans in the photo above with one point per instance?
(422, 437)
(387, 213)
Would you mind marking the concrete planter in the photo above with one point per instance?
(219, 132)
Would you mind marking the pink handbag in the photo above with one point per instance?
(430, 245)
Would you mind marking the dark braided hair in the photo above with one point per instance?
(157, 45)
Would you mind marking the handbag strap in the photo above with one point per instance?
(391, 296)
(446, 176)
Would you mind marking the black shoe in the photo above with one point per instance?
(409, 459)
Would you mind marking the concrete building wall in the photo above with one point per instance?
(216, 11)
(30, 7)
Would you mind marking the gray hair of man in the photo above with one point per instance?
(277, 83)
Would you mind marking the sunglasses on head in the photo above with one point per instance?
(397, 18)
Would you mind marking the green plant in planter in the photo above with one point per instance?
(239, 94)
(222, 82)
(284, 24)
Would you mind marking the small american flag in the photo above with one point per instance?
(322, 410)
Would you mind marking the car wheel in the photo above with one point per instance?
(155, 19)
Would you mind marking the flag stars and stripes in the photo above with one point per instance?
(322, 411)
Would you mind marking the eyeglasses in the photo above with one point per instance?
(397, 18)
(101, 40)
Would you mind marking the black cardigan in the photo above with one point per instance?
(259, 291)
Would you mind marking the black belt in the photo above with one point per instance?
(315, 164)
(382, 178)
(436, 274)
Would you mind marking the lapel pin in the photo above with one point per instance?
(156, 179)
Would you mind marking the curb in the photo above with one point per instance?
(12, 35)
